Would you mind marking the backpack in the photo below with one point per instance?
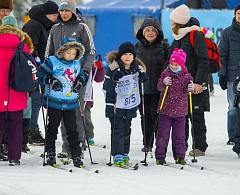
(23, 75)
(213, 53)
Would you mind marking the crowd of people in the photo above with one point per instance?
(169, 83)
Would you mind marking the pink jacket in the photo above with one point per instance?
(9, 38)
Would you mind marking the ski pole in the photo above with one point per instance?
(194, 160)
(44, 156)
(84, 126)
(155, 126)
(90, 88)
(114, 116)
(40, 90)
(144, 131)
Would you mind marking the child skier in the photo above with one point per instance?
(174, 109)
(123, 72)
(64, 75)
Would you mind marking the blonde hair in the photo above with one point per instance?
(176, 28)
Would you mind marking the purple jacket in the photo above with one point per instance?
(100, 75)
(176, 100)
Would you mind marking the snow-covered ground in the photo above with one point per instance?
(221, 174)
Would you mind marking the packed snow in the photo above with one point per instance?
(220, 175)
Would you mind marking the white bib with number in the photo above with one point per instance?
(128, 95)
(88, 94)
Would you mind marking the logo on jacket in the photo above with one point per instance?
(74, 33)
(34, 70)
(59, 68)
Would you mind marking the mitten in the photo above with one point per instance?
(86, 75)
(223, 82)
(191, 87)
(77, 84)
(143, 76)
(38, 61)
(167, 81)
(117, 75)
(98, 64)
(56, 84)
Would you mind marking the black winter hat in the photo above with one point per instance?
(50, 7)
(126, 47)
(236, 8)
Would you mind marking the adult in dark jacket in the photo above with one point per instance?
(197, 63)
(42, 18)
(153, 52)
(229, 49)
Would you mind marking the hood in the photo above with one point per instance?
(150, 22)
(37, 12)
(112, 58)
(193, 21)
(235, 25)
(24, 37)
(69, 43)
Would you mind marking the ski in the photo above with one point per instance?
(128, 166)
(71, 170)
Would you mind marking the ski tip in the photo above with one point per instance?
(104, 146)
(181, 168)
(202, 168)
(70, 170)
(96, 171)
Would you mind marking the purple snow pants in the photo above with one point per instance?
(163, 134)
(14, 131)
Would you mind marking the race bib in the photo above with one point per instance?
(128, 95)
(88, 94)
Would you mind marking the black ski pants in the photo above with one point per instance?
(69, 119)
(151, 116)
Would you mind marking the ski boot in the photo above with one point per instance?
(77, 161)
(118, 160)
(25, 148)
(161, 161)
(13, 162)
(126, 158)
(51, 158)
(35, 137)
(180, 161)
(3, 157)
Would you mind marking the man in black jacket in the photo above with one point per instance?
(42, 18)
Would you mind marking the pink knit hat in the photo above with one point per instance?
(178, 56)
(181, 14)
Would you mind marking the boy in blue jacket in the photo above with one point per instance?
(128, 72)
(64, 75)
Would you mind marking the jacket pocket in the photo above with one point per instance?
(234, 43)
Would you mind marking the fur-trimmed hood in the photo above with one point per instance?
(112, 58)
(24, 37)
(69, 45)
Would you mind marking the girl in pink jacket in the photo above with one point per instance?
(10, 37)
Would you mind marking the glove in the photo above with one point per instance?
(38, 61)
(191, 86)
(56, 84)
(143, 77)
(117, 75)
(167, 81)
(223, 82)
(86, 75)
(77, 84)
(98, 64)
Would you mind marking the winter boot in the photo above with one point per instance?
(146, 149)
(118, 160)
(35, 137)
(91, 141)
(51, 158)
(180, 161)
(13, 162)
(5, 150)
(25, 148)
(77, 161)
(197, 153)
(3, 157)
(64, 154)
(126, 158)
(230, 142)
(161, 161)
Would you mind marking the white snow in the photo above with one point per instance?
(220, 176)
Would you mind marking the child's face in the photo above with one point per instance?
(70, 54)
(174, 65)
(127, 58)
